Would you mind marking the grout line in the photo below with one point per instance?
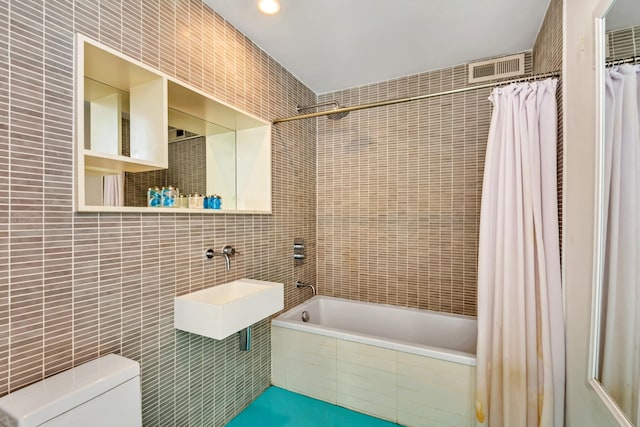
(10, 210)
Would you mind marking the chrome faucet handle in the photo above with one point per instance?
(229, 250)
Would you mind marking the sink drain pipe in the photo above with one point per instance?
(245, 339)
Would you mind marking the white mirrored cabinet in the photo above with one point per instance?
(138, 131)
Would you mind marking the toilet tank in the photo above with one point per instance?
(102, 393)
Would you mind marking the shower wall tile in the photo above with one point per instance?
(547, 49)
(399, 191)
(75, 286)
(399, 187)
(547, 56)
(187, 160)
(187, 171)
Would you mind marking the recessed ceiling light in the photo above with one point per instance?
(270, 7)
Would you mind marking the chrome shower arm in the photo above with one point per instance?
(322, 104)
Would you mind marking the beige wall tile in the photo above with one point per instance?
(399, 187)
(82, 285)
(399, 194)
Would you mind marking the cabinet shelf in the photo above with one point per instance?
(111, 164)
(164, 211)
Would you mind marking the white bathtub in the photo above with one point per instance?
(414, 367)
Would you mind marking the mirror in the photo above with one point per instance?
(143, 139)
(106, 108)
(201, 156)
(202, 162)
(615, 336)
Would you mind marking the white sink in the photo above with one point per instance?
(219, 311)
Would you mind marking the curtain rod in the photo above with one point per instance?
(629, 60)
(415, 98)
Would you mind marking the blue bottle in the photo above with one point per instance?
(215, 202)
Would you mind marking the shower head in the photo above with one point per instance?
(334, 116)
(337, 116)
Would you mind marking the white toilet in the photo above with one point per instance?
(102, 393)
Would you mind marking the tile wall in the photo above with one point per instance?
(188, 165)
(547, 49)
(547, 57)
(187, 172)
(399, 187)
(76, 286)
(399, 191)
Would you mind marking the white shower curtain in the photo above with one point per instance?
(520, 354)
(621, 356)
(113, 190)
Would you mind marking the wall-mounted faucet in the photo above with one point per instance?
(227, 252)
(299, 284)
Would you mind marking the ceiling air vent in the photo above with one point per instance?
(498, 68)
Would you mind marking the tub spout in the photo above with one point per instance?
(299, 284)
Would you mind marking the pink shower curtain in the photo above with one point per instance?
(520, 354)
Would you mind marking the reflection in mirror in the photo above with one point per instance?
(202, 158)
(619, 347)
(202, 162)
(105, 109)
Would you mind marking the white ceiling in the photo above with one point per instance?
(623, 14)
(337, 44)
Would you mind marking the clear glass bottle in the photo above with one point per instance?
(196, 201)
(183, 201)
